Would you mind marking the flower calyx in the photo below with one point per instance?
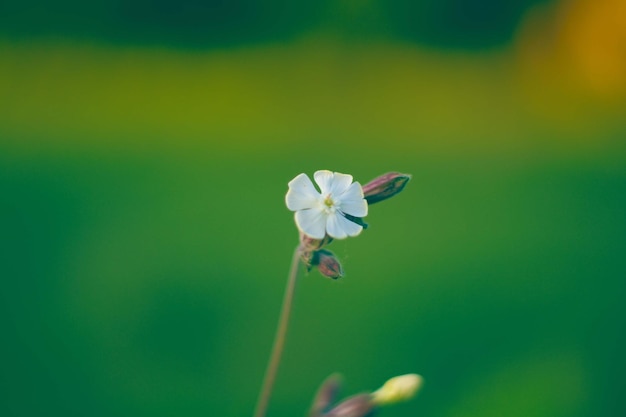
(385, 186)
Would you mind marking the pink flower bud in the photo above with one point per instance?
(385, 186)
(326, 395)
(327, 263)
(360, 405)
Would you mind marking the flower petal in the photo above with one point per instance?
(333, 227)
(351, 228)
(312, 222)
(352, 201)
(302, 194)
(339, 227)
(340, 183)
(324, 180)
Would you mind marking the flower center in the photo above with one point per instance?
(329, 204)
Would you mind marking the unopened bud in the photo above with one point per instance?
(309, 245)
(327, 263)
(397, 389)
(326, 395)
(384, 187)
(360, 405)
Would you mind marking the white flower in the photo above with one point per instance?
(318, 214)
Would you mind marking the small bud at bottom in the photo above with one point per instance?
(399, 388)
(327, 263)
(360, 405)
(326, 395)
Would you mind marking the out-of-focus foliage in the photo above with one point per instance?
(449, 23)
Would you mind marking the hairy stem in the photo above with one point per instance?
(279, 338)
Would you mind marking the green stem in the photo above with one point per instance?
(279, 339)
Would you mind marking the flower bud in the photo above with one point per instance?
(385, 186)
(326, 395)
(309, 245)
(399, 388)
(360, 405)
(327, 263)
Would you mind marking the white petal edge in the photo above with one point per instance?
(324, 180)
(351, 228)
(312, 222)
(352, 201)
(301, 194)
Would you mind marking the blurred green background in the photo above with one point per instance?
(145, 150)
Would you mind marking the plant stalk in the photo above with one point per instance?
(279, 338)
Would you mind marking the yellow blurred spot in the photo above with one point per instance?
(398, 389)
(593, 34)
(579, 47)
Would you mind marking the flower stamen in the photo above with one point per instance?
(330, 204)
